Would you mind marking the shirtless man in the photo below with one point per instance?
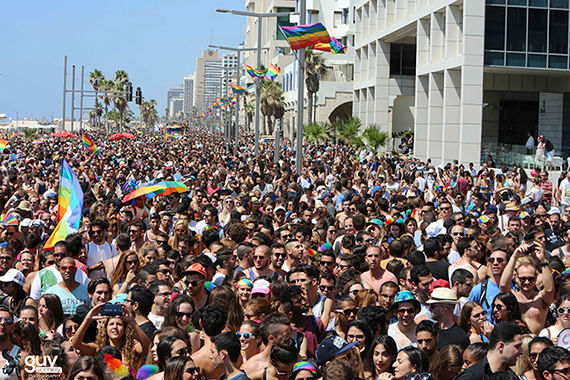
(261, 257)
(273, 327)
(213, 320)
(533, 303)
(6, 327)
(469, 250)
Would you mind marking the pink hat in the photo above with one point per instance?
(261, 286)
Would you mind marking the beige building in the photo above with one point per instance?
(207, 82)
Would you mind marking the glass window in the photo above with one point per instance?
(517, 2)
(557, 62)
(559, 32)
(409, 60)
(395, 59)
(537, 27)
(494, 28)
(559, 4)
(283, 21)
(515, 59)
(516, 29)
(535, 60)
(500, 2)
(538, 3)
(495, 59)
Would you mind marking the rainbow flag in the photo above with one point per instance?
(224, 99)
(89, 144)
(302, 36)
(70, 205)
(9, 220)
(237, 89)
(255, 74)
(272, 72)
(3, 144)
(334, 47)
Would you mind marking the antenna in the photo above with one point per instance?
(211, 36)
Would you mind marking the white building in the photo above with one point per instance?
(187, 95)
(175, 106)
(174, 93)
(229, 72)
(470, 77)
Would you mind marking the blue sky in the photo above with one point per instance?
(155, 42)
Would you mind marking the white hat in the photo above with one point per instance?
(554, 210)
(26, 222)
(15, 276)
(444, 296)
(261, 286)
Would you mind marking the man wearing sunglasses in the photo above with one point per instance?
(485, 292)
(533, 303)
(98, 250)
(139, 302)
(225, 354)
(554, 364)
(70, 292)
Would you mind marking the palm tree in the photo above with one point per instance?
(348, 130)
(376, 137)
(95, 78)
(249, 109)
(106, 86)
(30, 133)
(121, 79)
(271, 103)
(315, 68)
(316, 132)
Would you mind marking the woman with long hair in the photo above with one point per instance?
(563, 320)
(250, 339)
(474, 322)
(125, 274)
(227, 299)
(26, 335)
(71, 324)
(228, 206)
(180, 314)
(88, 367)
(179, 229)
(243, 290)
(148, 253)
(506, 308)
(12, 284)
(359, 331)
(158, 336)
(50, 313)
(380, 357)
(366, 297)
(167, 349)
(409, 360)
(448, 363)
(122, 332)
(181, 368)
(257, 309)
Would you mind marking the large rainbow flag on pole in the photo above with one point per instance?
(70, 205)
(3, 144)
(89, 144)
(335, 47)
(237, 89)
(302, 36)
(272, 72)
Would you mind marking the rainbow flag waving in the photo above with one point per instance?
(237, 89)
(334, 47)
(255, 74)
(89, 144)
(3, 144)
(70, 205)
(272, 72)
(302, 36)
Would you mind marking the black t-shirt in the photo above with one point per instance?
(453, 335)
(548, 145)
(439, 269)
(148, 328)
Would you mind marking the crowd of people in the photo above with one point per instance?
(359, 267)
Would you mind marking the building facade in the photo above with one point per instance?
(173, 93)
(188, 94)
(207, 82)
(471, 78)
(175, 106)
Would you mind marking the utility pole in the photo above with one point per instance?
(81, 102)
(64, 90)
(300, 91)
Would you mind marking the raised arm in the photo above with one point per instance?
(547, 278)
(507, 276)
(88, 349)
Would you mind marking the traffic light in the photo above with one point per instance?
(129, 91)
(138, 96)
(99, 112)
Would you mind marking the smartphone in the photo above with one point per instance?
(530, 249)
(110, 310)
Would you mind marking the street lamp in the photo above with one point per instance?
(238, 50)
(259, 16)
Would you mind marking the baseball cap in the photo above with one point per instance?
(324, 195)
(331, 347)
(279, 208)
(195, 268)
(15, 276)
(261, 286)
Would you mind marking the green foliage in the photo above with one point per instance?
(408, 133)
(316, 132)
(375, 137)
(347, 130)
(30, 134)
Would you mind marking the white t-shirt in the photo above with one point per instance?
(96, 253)
(564, 191)
(156, 320)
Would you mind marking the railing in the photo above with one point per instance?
(510, 155)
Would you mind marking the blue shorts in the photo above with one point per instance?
(550, 155)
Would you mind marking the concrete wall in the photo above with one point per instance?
(551, 117)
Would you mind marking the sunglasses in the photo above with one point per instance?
(71, 328)
(458, 234)
(418, 376)
(354, 292)
(404, 311)
(495, 259)
(347, 312)
(133, 231)
(483, 313)
(445, 208)
(180, 314)
(5, 258)
(168, 272)
(562, 310)
(51, 262)
(66, 268)
(96, 232)
(192, 370)
(527, 279)
(245, 335)
(256, 295)
(533, 355)
(330, 288)
(327, 262)
(7, 321)
(498, 307)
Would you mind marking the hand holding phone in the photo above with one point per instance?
(110, 310)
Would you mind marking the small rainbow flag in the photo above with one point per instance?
(523, 215)
(9, 220)
(255, 74)
(272, 72)
(237, 89)
(89, 144)
(37, 142)
(3, 144)
(483, 219)
(311, 252)
(334, 47)
(302, 36)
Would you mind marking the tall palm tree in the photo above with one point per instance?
(121, 79)
(271, 103)
(316, 132)
(315, 68)
(95, 78)
(249, 109)
(376, 137)
(106, 86)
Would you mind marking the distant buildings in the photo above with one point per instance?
(188, 94)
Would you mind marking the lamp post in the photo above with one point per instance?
(259, 16)
(238, 50)
(302, 9)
